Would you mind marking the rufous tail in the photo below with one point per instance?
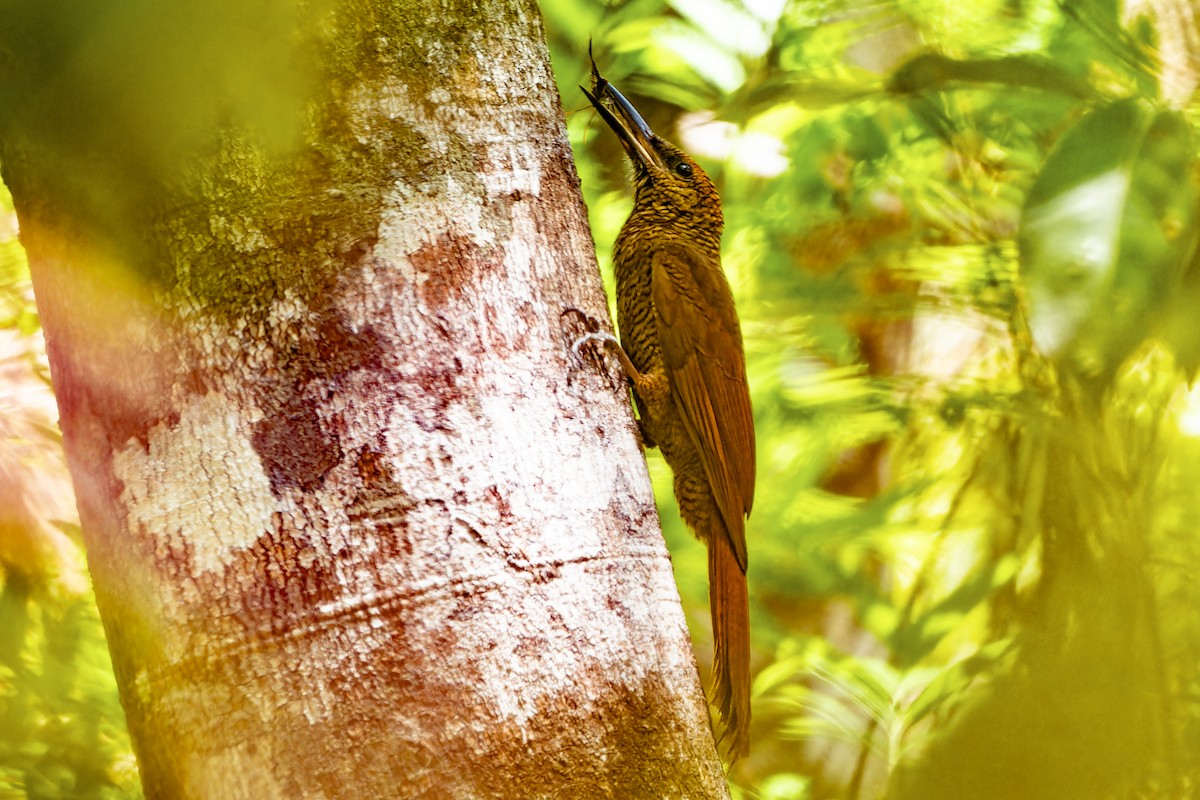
(730, 606)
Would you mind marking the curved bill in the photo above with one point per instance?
(626, 122)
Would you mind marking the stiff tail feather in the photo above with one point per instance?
(730, 606)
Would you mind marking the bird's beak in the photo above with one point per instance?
(626, 123)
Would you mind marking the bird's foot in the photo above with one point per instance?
(600, 337)
(577, 342)
(610, 342)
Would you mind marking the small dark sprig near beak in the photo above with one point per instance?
(625, 120)
(598, 83)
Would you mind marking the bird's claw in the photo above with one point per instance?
(593, 336)
(593, 328)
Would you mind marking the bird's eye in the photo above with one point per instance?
(683, 169)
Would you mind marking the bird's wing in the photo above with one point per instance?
(702, 350)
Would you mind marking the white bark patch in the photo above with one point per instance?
(417, 219)
(555, 518)
(227, 503)
(418, 215)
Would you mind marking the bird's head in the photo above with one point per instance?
(670, 188)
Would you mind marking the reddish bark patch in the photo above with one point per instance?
(336, 349)
(559, 187)
(291, 578)
(449, 263)
(554, 751)
(382, 505)
(436, 388)
(296, 449)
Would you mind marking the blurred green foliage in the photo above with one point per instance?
(963, 240)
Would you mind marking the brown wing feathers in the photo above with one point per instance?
(702, 352)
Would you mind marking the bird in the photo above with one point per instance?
(681, 350)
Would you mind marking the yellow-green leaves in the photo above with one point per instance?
(1105, 232)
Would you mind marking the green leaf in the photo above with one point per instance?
(933, 72)
(1105, 231)
(784, 786)
(953, 680)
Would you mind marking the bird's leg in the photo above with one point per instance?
(575, 342)
(636, 378)
(648, 387)
(594, 334)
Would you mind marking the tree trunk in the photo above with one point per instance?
(358, 525)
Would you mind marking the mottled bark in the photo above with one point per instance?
(357, 524)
